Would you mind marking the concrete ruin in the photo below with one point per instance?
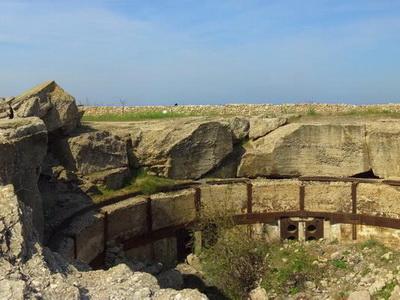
(300, 180)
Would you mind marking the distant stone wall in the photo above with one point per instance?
(244, 109)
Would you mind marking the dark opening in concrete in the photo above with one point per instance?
(368, 174)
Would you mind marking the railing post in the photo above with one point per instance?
(354, 208)
(301, 196)
(249, 187)
(197, 201)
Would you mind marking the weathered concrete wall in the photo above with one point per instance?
(275, 195)
(88, 230)
(378, 200)
(387, 236)
(171, 209)
(383, 141)
(127, 218)
(327, 196)
(223, 198)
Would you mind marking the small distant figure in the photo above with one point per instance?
(176, 104)
(11, 112)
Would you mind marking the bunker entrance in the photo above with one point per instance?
(184, 244)
(301, 229)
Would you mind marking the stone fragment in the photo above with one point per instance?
(13, 233)
(51, 103)
(183, 149)
(112, 179)
(91, 152)
(240, 128)
(186, 294)
(260, 126)
(12, 289)
(359, 295)
(23, 146)
(307, 149)
(171, 279)
(229, 165)
(258, 294)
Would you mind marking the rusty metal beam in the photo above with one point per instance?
(354, 209)
(334, 218)
(249, 188)
(192, 184)
(227, 181)
(392, 182)
(340, 179)
(254, 218)
(301, 197)
(354, 197)
(197, 200)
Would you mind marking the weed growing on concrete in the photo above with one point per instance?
(141, 182)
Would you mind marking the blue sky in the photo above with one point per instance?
(204, 52)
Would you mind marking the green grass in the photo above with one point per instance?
(140, 182)
(377, 247)
(370, 244)
(339, 263)
(234, 263)
(371, 112)
(386, 292)
(311, 112)
(136, 116)
(133, 116)
(289, 268)
(171, 114)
